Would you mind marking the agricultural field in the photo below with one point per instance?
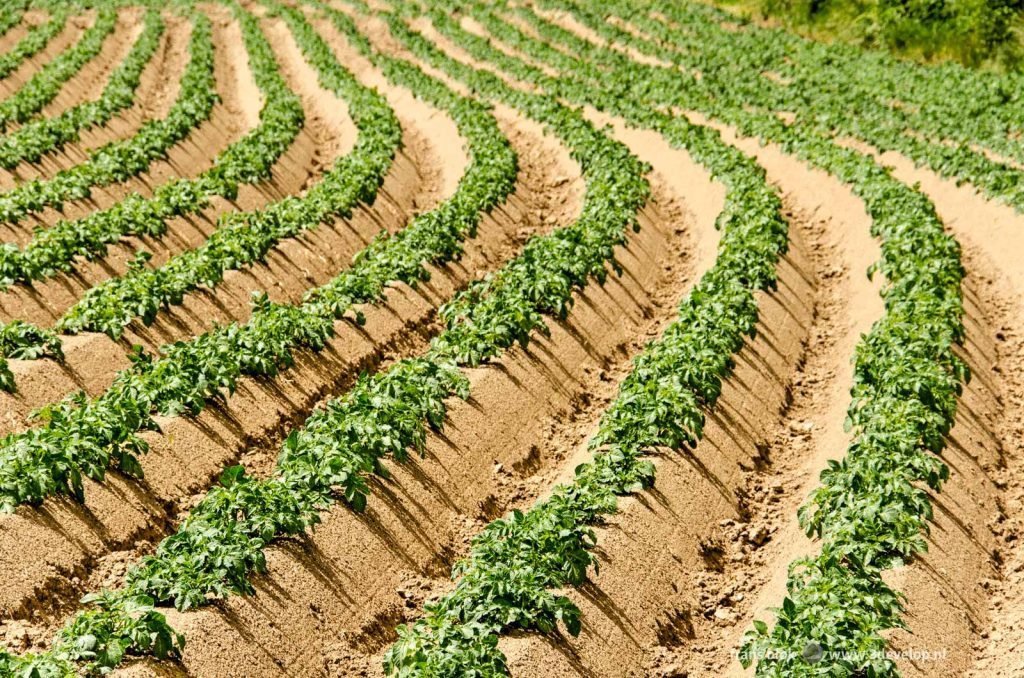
(511, 337)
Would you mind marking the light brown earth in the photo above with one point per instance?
(158, 87)
(72, 31)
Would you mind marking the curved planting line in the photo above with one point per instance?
(48, 80)
(244, 238)
(10, 15)
(871, 510)
(949, 100)
(30, 142)
(731, 75)
(84, 437)
(247, 161)
(384, 414)
(35, 40)
(515, 564)
(120, 160)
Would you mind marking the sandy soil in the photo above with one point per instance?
(190, 453)
(950, 587)
(981, 591)
(89, 82)
(195, 153)
(158, 87)
(72, 31)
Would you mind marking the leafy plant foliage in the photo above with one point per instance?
(31, 141)
(44, 85)
(248, 160)
(117, 160)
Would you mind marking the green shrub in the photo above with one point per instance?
(974, 32)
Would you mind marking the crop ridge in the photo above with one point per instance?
(90, 80)
(350, 352)
(38, 46)
(425, 338)
(158, 81)
(441, 346)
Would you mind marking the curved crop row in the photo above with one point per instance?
(731, 73)
(515, 564)
(36, 39)
(83, 437)
(871, 508)
(387, 413)
(120, 160)
(31, 141)
(948, 101)
(243, 238)
(870, 511)
(248, 160)
(10, 15)
(44, 85)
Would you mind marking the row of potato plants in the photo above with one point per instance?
(733, 65)
(113, 162)
(24, 341)
(518, 565)
(32, 140)
(11, 15)
(108, 164)
(83, 436)
(245, 237)
(827, 97)
(47, 82)
(19, 339)
(948, 101)
(223, 538)
(873, 507)
(35, 39)
(390, 412)
(248, 160)
(119, 160)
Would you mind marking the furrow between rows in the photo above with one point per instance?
(236, 113)
(153, 99)
(295, 264)
(190, 453)
(88, 82)
(73, 29)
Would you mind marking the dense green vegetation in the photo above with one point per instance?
(31, 141)
(45, 83)
(248, 160)
(122, 159)
(386, 413)
(872, 509)
(870, 513)
(35, 40)
(975, 32)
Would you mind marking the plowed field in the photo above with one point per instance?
(531, 337)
